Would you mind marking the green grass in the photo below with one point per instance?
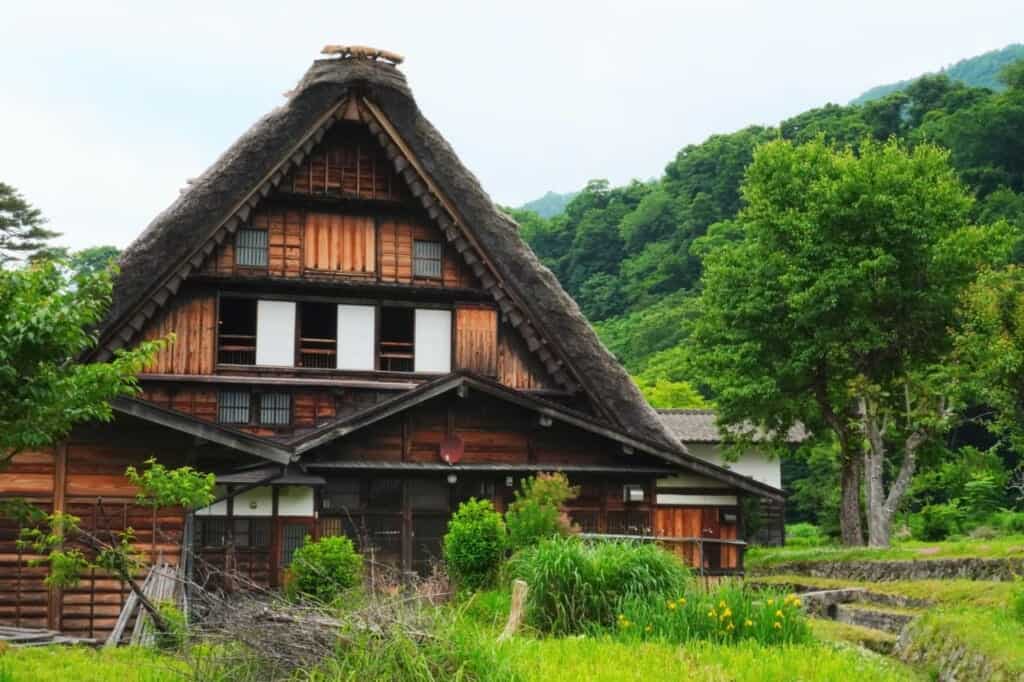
(80, 664)
(979, 593)
(831, 630)
(988, 632)
(1009, 546)
(606, 660)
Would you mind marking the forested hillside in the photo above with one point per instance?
(549, 205)
(631, 255)
(977, 72)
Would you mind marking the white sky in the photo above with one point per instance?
(106, 108)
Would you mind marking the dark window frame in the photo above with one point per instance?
(256, 408)
(434, 262)
(258, 252)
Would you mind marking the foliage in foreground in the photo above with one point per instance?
(325, 569)
(475, 544)
(575, 585)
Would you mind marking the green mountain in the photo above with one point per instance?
(549, 205)
(632, 256)
(977, 72)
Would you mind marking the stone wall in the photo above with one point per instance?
(885, 571)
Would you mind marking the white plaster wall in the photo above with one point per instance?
(356, 329)
(697, 500)
(218, 509)
(753, 464)
(255, 502)
(433, 341)
(295, 500)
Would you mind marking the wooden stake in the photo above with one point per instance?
(515, 615)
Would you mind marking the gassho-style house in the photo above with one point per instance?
(363, 341)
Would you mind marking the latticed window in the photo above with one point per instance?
(426, 258)
(233, 407)
(251, 248)
(275, 409)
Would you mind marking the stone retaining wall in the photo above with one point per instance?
(885, 571)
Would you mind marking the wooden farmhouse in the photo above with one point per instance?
(362, 340)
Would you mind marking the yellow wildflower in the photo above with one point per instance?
(778, 614)
(711, 613)
(797, 602)
(748, 622)
(730, 627)
(777, 625)
(771, 602)
(721, 604)
(726, 613)
(649, 628)
(682, 601)
(672, 605)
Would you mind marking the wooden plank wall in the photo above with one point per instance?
(517, 366)
(340, 244)
(310, 407)
(192, 318)
(476, 339)
(284, 228)
(348, 163)
(687, 522)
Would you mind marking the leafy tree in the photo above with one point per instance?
(45, 319)
(833, 309)
(663, 393)
(600, 297)
(22, 228)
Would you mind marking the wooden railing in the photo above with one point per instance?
(320, 353)
(700, 543)
(397, 356)
(236, 349)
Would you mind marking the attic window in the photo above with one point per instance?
(243, 407)
(233, 407)
(426, 258)
(251, 248)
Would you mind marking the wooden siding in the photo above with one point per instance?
(349, 163)
(689, 522)
(192, 320)
(340, 244)
(517, 366)
(310, 407)
(476, 339)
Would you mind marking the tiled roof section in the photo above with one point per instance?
(700, 426)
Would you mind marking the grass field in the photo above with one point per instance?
(1009, 546)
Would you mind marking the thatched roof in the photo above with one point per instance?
(175, 238)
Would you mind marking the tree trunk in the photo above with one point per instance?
(849, 511)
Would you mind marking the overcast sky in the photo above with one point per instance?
(106, 108)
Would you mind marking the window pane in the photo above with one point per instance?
(251, 248)
(426, 258)
(292, 538)
(233, 407)
(275, 409)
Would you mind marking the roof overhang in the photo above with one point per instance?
(214, 433)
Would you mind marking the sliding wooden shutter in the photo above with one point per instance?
(476, 340)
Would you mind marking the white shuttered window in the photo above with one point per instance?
(356, 330)
(433, 341)
(275, 333)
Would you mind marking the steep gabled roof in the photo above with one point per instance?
(178, 240)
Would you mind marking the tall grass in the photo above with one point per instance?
(575, 585)
(726, 614)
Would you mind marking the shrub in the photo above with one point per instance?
(324, 570)
(937, 521)
(804, 535)
(727, 614)
(983, 493)
(1008, 521)
(475, 544)
(537, 513)
(576, 585)
(177, 630)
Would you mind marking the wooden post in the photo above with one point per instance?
(515, 614)
(55, 596)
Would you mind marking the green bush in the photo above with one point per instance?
(537, 512)
(1008, 521)
(937, 521)
(475, 544)
(804, 535)
(983, 494)
(727, 614)
(576, 585)
(324, 570)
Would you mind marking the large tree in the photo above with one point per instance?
(46, 321)
(833, 308)
(23, 231)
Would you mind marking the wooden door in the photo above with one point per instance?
(290, 534)
(679, 522)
